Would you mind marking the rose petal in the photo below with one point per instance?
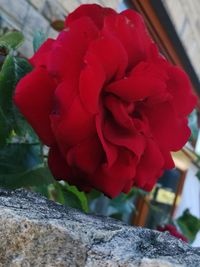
(66, 58)
(86, 155)
(110, 150)
(72, 125)
(130, 33)
(120, 111)
(170, 131)
(169, 163)
(111, 55)
(139, 24)
(180, 88)
(113, 180)
(95, 12)
(34, 98)
(65, 94)
(61, 170)
(150, 166)
(91, 82)
(58, 165)
(120, 137)
(41, 56)
(136, 87)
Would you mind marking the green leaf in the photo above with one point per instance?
(42, 189)
(189, 225)
(39, 175)
(67, 195)
(4, 128)
(12, 40)
(17, 158)
(21, 166)
(80, 195)
(21, 127)
(3, 55)
(7, 81)
(22, 67)
(71, 200)
(12, 71)
(61, 194)
(38, 39)
(7, 84)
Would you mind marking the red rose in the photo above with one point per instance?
(173, 231)
(108, 105)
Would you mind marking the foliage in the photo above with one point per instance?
(23, 160)
(189, 225)
(11, 40)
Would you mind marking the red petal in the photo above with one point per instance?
(61, 170)
(111, 55)
(87, 155)
(66, 58)
(120, 111)
(113, 180)
(110, 150)
(120, 137)
(91, 82)
(65, 94)
(150, 166)
(180, 88)
(34, 98)
(58, 165)
(72, 125)
(170, 131)
(137, 20)
(130, 32)
(94, 12)
(41, 56)
(169, 163)
(135, 87)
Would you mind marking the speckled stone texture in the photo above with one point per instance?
(38, 232)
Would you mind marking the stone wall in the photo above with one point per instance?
(34, 15)
(37, 232)
(185, 17)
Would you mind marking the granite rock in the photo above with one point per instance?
(37, 232)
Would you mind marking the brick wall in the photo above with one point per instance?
(186, 19)
(33, 15)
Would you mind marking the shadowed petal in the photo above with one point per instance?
(34, 98)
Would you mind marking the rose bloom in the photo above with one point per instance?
(108, 105)
(173, 231)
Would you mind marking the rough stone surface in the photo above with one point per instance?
(38, 232)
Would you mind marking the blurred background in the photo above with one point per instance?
(175, 27)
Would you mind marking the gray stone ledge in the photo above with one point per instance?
(37, 232)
